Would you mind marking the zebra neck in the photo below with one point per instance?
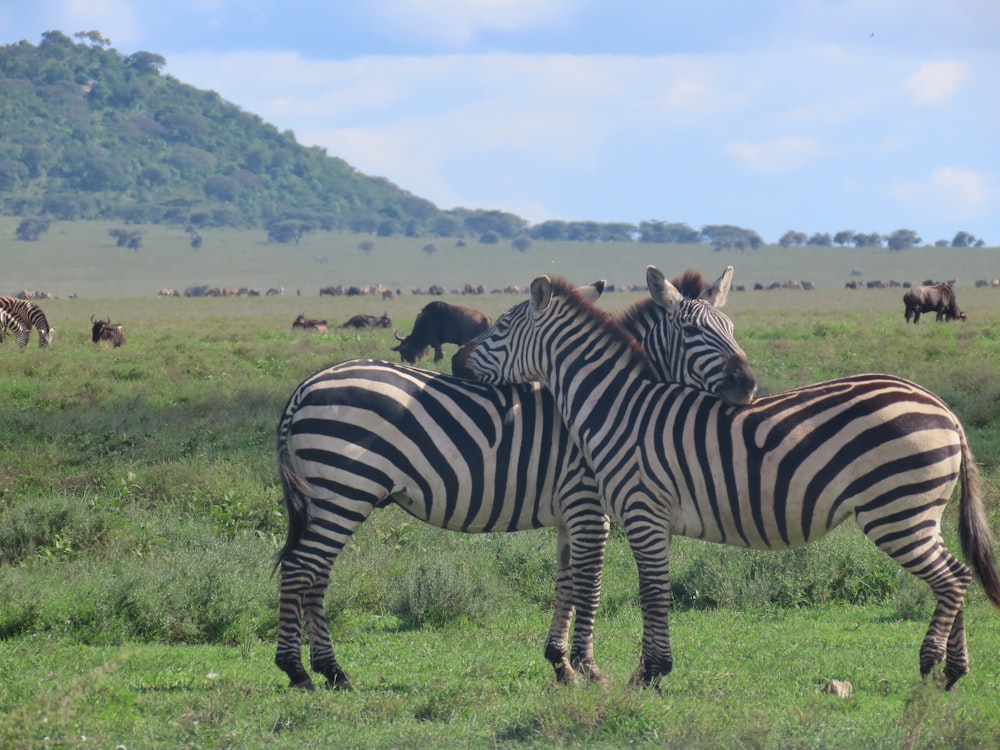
(593, 380)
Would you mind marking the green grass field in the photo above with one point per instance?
(81, 258)
(140, 514)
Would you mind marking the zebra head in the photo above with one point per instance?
(690, 341)
(488, 356)
(686, 339)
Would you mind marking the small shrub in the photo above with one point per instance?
(436, 593)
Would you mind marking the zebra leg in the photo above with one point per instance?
(588, 540)
(296, 581)
(321, 657)
(949, 579)
(556, 643)
(957, 659)
(649, 538)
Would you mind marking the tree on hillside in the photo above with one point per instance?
(29, 230)
(820, 239)
(288, 230)
(902, 239)
(844, 237)
(728, 237)
(963, 239)
(521, 243)
(130, 238)
(861, 239)
(792, 238)
(500, 223)
(95, 38)
(146, 62)
(671, 232)
(552, 231)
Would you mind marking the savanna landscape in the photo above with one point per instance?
(140, 515)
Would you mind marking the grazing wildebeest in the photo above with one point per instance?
(936, 298)
(369, 321)
(105, 330)
(310, 324)
(440, 323)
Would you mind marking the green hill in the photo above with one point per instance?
(90, 133)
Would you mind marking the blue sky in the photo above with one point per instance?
(812, 115)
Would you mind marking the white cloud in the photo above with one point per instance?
(417, 120)
(115, 19)
(937, 82)
(948, 193)
(775, 156)
(458, 23)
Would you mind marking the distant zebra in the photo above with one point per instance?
(777, 473)
(31, 315)
(13, 324)
(462, 456)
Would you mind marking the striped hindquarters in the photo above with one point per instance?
(9, 322)
(31, 315)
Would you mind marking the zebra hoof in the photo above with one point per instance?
(566, 675)
(339, 681)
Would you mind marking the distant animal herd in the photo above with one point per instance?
(438, 322)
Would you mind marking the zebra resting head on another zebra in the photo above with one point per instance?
(775, 474)
(365, 434)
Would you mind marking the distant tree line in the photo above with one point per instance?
(901, 239)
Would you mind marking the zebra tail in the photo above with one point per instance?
(974, 529)
(296, 503)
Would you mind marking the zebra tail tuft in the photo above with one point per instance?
(974, 529)
(296, 503)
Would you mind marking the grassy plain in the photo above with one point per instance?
(140, 512)
(81, 258)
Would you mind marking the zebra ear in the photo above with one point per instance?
(541, 293)
(592, 292)
(662, 291)
(718, 292)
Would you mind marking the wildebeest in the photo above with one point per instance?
(105, 330)
(440, 323)
(369, 321)
(937, 298)
(310, 324)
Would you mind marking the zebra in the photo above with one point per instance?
(9, 322)
(776, 473)
(461, 455)
(31, 315)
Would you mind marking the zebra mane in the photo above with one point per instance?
(563, 288)
(691, 284)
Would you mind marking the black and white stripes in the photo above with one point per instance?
(10, 323)
(29, 315)
(460, 455)
(777, 473)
